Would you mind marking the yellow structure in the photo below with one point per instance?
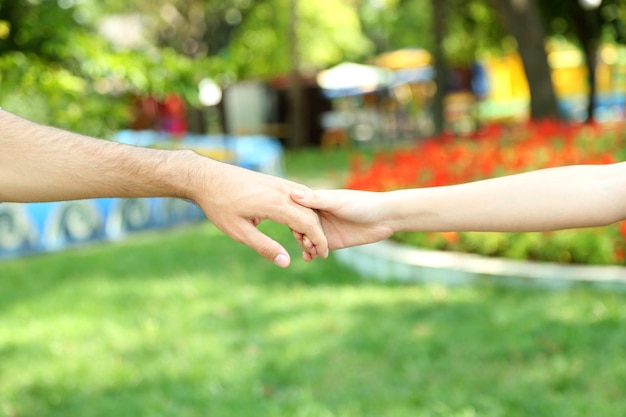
(507, 79)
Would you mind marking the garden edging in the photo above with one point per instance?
(392, 261)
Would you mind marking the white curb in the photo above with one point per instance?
(392, 261)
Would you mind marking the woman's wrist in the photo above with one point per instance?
(407, 210)
(388, 210)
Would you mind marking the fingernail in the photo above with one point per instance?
(326, 254)
(281, 260)
(298, 194)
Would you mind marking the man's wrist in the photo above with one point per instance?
(185, 172)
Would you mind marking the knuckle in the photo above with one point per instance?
(309, 224)
(266, 249)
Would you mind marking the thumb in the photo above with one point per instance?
(264, 245)
(312, 199)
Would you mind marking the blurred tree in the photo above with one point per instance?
(246, 38)
(194, 27)
(261, 39)
(439, 7)
(587, 24)
(39, 77)
(582, 25)
(296, 92)
(523, 20)
(396, 24)
(182, 41)
(260, 47)
(473, 29)
(56, 69)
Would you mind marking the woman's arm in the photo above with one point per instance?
(40, 163)
(549, 199)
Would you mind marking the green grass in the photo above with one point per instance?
(320, 167)
(189, 323)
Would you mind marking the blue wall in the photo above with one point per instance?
(44, 227)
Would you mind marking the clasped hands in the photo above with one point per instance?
(239, 200)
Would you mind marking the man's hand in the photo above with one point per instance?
(236, 200)
(41, 163)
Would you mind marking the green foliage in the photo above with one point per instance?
(91, 82)
(51, 94)
(472, 27)
(571, 20)
(328, 38)
(475, 31)
(189, 323)
(260, 47)
(585, 246)
(57, 70)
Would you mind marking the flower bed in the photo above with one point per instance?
(497, 151)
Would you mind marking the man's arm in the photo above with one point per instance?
(40, 163)
(549, 199)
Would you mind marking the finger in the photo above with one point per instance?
(299, 237)
(311, 247)
(312, 199)
(309, 257)
(311, 229)
(263, 244)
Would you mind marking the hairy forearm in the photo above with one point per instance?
(39, 163)
(550, 199)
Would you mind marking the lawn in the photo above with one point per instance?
(319, 168)
(189, 323)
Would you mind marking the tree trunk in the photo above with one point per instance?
(588, 32)
(439, 8)
(522, 19)
(297, 112)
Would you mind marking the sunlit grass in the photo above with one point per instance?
(321, 167)
(189, 323)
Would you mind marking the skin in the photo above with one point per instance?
(41, 163)
(542, 200)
